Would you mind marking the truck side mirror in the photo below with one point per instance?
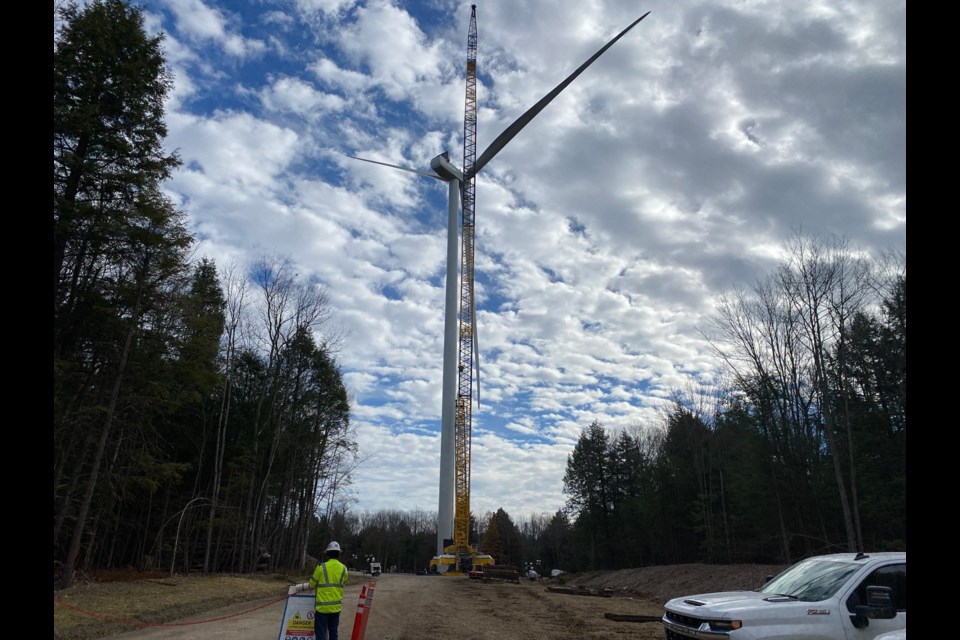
(879, 606)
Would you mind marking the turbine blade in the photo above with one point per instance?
(396, 166)
(476, 357)
(532, 112)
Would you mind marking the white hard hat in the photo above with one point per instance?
(333, 546)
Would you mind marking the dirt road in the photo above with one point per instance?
(409, 607)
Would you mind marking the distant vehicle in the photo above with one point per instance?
(421, 572)
(375, 569)
(843, 596)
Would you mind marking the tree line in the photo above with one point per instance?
(198, 421)
(802, 451)
(201, 423)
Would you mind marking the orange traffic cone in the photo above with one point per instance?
(363, 611)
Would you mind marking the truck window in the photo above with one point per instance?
(811, 580)
(893, 576)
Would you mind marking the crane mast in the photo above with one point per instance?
(467, 332)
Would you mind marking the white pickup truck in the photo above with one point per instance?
(843, 596)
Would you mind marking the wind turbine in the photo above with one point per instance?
(458, 368)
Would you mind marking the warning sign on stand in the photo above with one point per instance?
(298, 618)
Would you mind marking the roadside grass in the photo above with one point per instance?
(85, 610)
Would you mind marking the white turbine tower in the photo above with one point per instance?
(456, 399)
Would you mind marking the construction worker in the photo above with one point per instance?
(328, 579)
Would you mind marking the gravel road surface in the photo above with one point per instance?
(409, 607)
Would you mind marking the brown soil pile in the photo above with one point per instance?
(671, 581)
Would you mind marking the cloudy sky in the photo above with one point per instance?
(670, 172)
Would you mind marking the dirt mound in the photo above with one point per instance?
(665, 582)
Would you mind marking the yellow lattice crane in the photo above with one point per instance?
(461, 556)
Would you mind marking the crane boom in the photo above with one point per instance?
(467, 334)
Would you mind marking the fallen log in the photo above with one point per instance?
(506, 573)
(631, 617)
(581, 591)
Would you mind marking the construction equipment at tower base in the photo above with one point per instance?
(460, 561)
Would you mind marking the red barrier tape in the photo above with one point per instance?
(136, 623)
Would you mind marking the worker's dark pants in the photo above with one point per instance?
(325, 625)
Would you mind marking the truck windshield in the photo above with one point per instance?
(811, 580)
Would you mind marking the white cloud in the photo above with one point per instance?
(327, 71)
(387, 42)
(323, 6)
(301, 98)
(200, 22)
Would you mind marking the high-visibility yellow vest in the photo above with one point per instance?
(328, 579)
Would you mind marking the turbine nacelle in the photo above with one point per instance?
(446, 171)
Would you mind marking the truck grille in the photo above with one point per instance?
(680, 627)
(687, 621)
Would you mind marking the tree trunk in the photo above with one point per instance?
(222, 421)
(91, 485)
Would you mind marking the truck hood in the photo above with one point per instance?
(746, 604)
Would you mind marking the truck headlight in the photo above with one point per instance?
(725, 625)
